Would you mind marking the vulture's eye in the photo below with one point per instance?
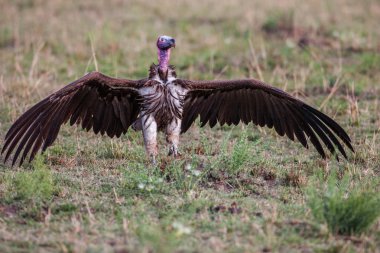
(162, 40)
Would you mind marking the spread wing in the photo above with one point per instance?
(229, 102)
(95, 101)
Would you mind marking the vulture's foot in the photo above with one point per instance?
(153, 160)
(173, 150)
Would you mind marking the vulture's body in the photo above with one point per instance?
(162, 102)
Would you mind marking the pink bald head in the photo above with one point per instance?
(164, 44)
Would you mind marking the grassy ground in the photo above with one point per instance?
(235, 188)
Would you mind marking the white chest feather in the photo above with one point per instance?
(163, 100)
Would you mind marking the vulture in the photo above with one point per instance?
(163, 102)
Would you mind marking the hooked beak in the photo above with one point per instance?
(172, 43)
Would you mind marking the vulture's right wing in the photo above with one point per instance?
(95, 101)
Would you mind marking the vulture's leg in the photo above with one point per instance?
(149, 128)
(173, 130)
(137, 125)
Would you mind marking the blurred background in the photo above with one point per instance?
(265, 39)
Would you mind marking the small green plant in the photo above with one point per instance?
(278, 21)
(141, 181)
(238, 155)
(35, 185)
(346, 208)
(368, 63)
(157, 238)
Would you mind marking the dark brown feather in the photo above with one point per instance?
(259, 108)
(278, 119)
(254, 101)
(93, 101)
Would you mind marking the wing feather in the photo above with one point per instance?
(260, 108)
(105, 104)
(278, 120)
(253, 101)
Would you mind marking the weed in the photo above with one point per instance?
(345, 208)
(140, 181)
(36, 185)
(65, 208)
(278, 22)
(232, 160)
(156, 238)
(239, 155)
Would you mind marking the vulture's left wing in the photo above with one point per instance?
(232, 101)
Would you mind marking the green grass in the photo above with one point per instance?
(345, 209)
(36, 185)
(234, 189)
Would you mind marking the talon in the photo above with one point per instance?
(174, 151)
(153, 160)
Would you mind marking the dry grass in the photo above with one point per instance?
(101, 195)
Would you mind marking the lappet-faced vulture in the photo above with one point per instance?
(164, 102)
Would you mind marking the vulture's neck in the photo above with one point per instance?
(163, 60)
